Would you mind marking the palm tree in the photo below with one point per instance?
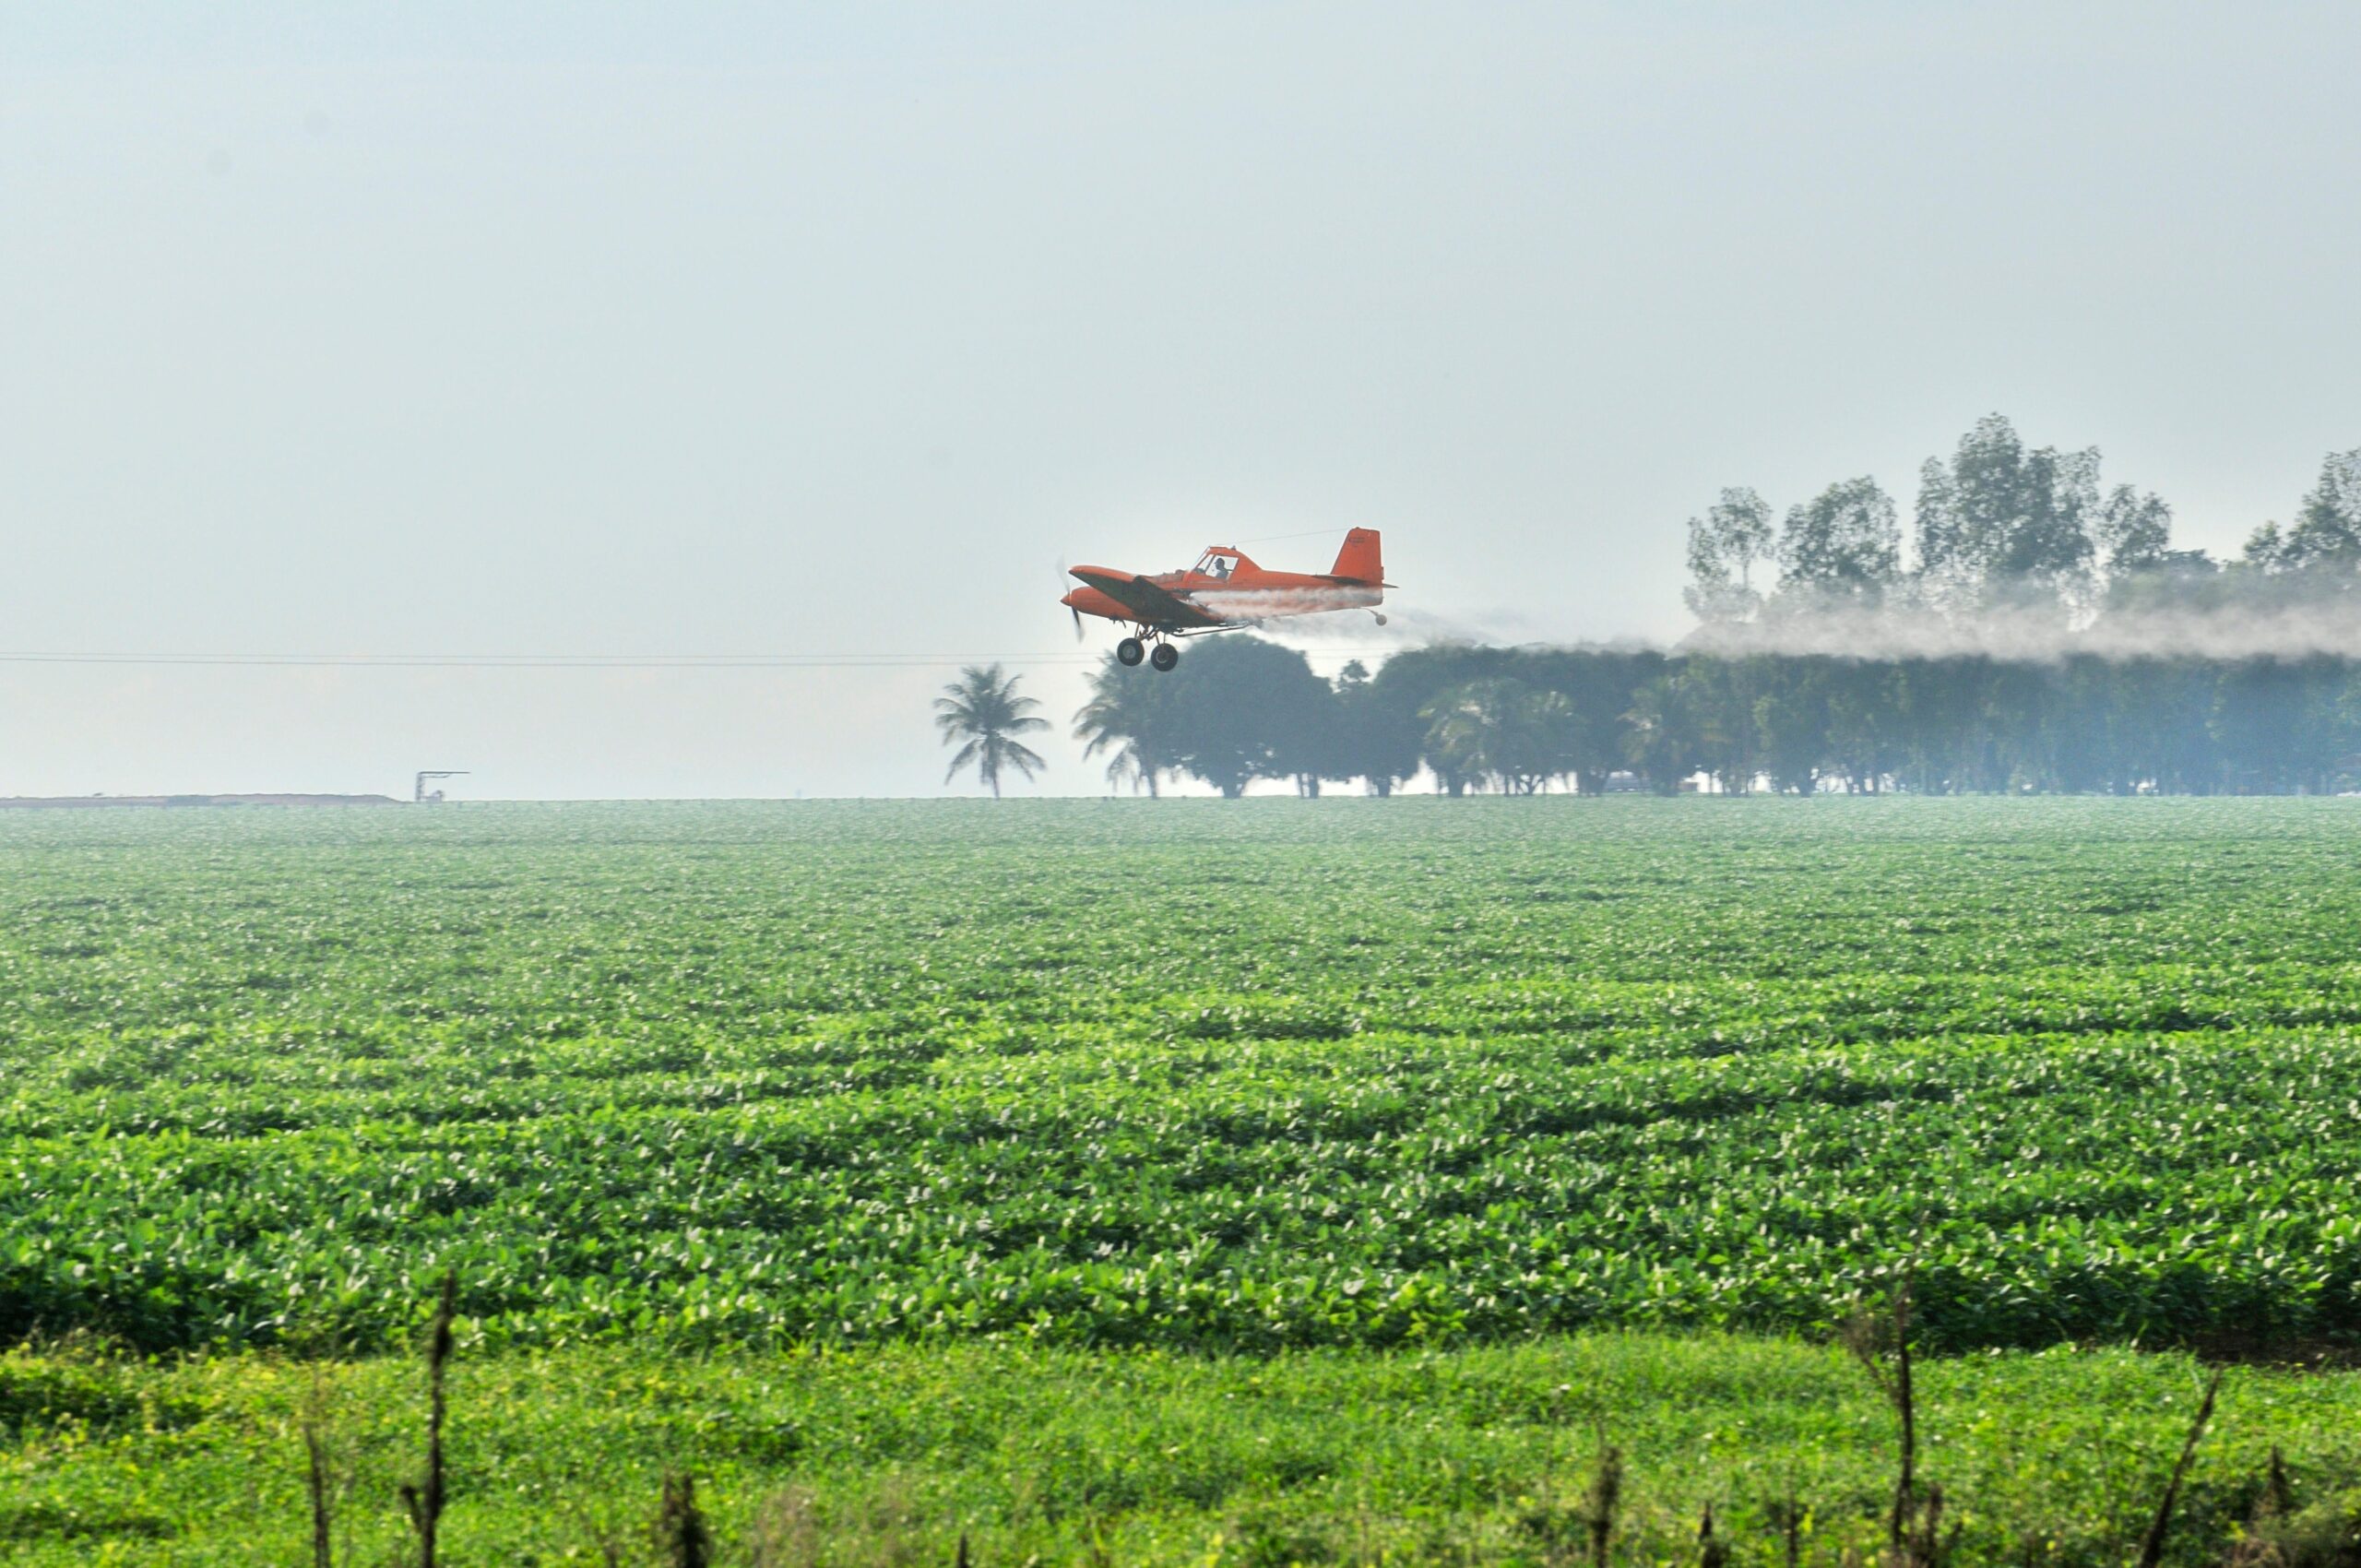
(1131, 720)
(982, 708)
(1501, 730)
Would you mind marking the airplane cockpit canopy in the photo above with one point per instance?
(1218, 563)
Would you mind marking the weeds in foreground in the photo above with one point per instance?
(1558, 1531)
(789, 1527)
(786, 1529)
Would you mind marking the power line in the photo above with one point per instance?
(543, 661)
(579, 661)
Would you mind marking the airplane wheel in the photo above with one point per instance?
(1129, 651)
(1165, 657)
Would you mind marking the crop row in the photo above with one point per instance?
(733, 1076)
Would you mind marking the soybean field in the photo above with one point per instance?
(1189, 1075)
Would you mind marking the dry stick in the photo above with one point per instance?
(1927, 1548)
(2151, 1547)
(679, 1525)
(1712, 1551)
(1906, 1403)
(1789, 1518)
(1598, 1509)
(425, 1504)
(318, 1484)
(1860, 1336)
(2278, 1497)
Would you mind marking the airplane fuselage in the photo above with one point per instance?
(1225, 589)
(1228, 603)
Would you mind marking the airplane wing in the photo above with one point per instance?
(1152, 604)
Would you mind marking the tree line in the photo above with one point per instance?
(2039, 632)
(1524, 720)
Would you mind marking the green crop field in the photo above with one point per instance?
(1609, 1111)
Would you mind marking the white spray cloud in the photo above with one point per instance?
(1408, 627)
(1246, 604)
(2288, 632)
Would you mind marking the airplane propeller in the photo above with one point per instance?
(1062, 591)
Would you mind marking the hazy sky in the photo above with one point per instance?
(592, 329)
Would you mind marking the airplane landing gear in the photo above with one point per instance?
(1160, 655)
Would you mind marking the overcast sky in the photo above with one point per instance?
(559, 329)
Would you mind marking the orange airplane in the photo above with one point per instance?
(1224, 590)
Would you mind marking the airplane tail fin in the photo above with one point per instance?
(1359, 560)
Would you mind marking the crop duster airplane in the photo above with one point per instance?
(1222, 591)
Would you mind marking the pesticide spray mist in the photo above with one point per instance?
(2046, 636)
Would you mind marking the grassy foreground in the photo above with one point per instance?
(887, 1456)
